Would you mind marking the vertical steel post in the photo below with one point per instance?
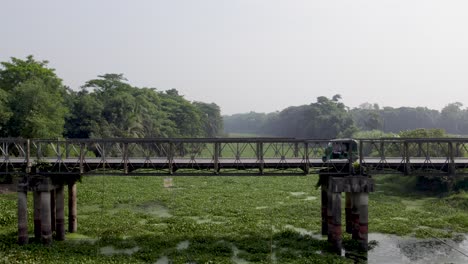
(170, 158)
(82, 158)
(361, 158)
(28, 156)
(451, 159)
(216, 157)
(260, 157)
(125, 157)
(306, 158)
(382, 150)
(407, 158)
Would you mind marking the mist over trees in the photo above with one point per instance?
(331, 118)
(34, 103)
(326, 118)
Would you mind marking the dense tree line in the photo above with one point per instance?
(330, 118)
(34, 103)
(452, 118)
(324, 118)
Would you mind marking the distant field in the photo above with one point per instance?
(218, 220)
(244, 135)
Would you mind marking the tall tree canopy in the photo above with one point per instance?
(35, 104)
(33, 99)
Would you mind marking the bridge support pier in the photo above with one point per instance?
(357, 190)
(60, 214)
(37, 215)
(46, 213)
(48, 209)
(348, 212)
(324, 200)
(72, 211)
(334, 221)
(23, 237)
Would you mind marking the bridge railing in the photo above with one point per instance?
(244, 156)
(14, 157)
(416, 156)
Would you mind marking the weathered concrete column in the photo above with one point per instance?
(72, 211)
(324, 200)
(60, 207)
(362, 206)
(53, 214)
(360, 219)
(23, 237)
(37, 215)
(348, 211)
(355, 216)
(46, 229)
(334, 221)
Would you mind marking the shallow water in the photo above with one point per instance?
(183, 245)
(304, 231)
(395, 249)
(235, 259)
(110, 250)
(162, 260)
(297, 193)
(201, 220)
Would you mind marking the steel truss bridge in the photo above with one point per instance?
(229, 156)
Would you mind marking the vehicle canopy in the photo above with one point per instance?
(342, 148)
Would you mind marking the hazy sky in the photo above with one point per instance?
(253, 55)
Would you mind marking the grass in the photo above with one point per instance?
(220, 220)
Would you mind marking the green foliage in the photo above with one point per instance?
(110, 107)
(373, 134)
(423, 133)
(35, 104)
(31, 100)
(240, 218)
(326, 118)
(38, 111)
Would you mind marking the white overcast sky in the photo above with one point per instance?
(253, 55)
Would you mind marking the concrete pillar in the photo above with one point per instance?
(334, 222)
(348, 212)
(46, 229)
(60, 214)
(360, 219)
(324, 200)
(53, 215)
(37, 215)
(22, 216)
(72, 212)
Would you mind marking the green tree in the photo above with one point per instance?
(38, 112)
(32, 98)
(212, 122)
